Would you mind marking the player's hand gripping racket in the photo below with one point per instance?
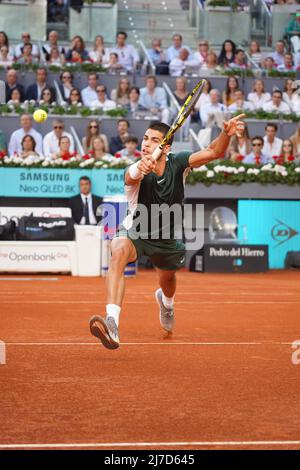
(181, 117)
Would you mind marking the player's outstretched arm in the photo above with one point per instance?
(217, 148)
(136, 172)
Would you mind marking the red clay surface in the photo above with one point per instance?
(60, 386)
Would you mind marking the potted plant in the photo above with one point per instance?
(222, 5)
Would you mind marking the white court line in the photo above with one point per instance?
(158, 343)
(213, 302)
(2, 353)
(28, 278)
(153, 444)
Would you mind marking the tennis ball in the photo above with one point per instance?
(40, 115)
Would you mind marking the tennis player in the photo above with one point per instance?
(149, 182)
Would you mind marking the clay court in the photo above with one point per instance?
(225, 380)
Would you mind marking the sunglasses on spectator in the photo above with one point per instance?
(58, 127)
(66, 76)
(94, 126)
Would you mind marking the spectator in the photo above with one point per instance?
(58, 10)
(278, 55)
(34, 91)
(51, 140)
(127, 54)
(66, 84)
(76, 57)
(276, 105)
(154, 99)
(288, 64)
(258, 97)
(269, 64)
(75, 97)
(85, 206)
(27, 57)
(55, 57)
(4, 39)
(93, 131)
(19, 49)
(293, 27)
(11, 83)
(134, 105)
(272, 144)
(64, 149)
(180, 93)
(204, 97)
(117, 142)
(256, 157)
(46, 97)
(98, 150)
(130, 151)
(173, 51)
(290, 95)
(227, 53)
(240, 60)
(15, 143)
(228, 95)
(295, 139)
(202, 52)
(52, 43)
(16, 96)
(6, 60)
(99, 55)
(102, 101)
(120, 95)
(211, 64)
(113, 65)
(77, 46)
(214, 106)
(184, 64)
(255, 53)
(158, 57)
(3, 144)
(28, 145)
(89, 94)
(287, 155)
(240, 145)
(240, 103)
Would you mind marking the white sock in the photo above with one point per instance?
(168, 301)
(113, 310)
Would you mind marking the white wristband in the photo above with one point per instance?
(134, 172)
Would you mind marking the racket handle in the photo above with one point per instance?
(157, 152)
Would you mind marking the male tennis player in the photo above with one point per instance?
(150, 182)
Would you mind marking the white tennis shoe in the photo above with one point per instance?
(166, 315)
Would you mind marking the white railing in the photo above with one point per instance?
(59, 97)
(77, 141)
(195, 138)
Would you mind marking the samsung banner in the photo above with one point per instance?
(274, 223)
(63, 183)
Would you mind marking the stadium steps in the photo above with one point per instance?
(62, 29)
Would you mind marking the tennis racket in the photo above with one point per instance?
(181, 117)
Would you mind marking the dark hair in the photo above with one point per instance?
(79, 94)
(160, 127)
(271, 124)
(222, 57)
(136, 88)
(42, 68)
(6, 42)
(51, 92)
(82, 43)
(32, 141)
(151, 77)
(89, 135)
(62, 74)
(227, 89)
(277, 91)
(123, 120)
(63, 137)
(131, 138)
(177, 34)
(123, 33)
(257, 137)
(85, 178)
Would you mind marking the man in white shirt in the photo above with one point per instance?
(276, 105)
(53, 43)
(102, 101)
(127, 54)
(26, 38)
(15, 146)
(89, 93)
(278, 55)
(173, 51)
(184, 64)
(51, 140)
(154, 99)
(272, 144)
(85, 206)
(240, 103)
(211, 108)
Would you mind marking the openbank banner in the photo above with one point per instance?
(272, 223)
(60, 183)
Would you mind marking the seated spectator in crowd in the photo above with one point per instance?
(181, 93)
(227, 53)
(256, 156)
(66, 84)
(134, 105)
(120, 95)
(290, 95)
(64, 149)
(98, 150)
(130, 151)
(288, 63)
(3, 144)
(286, 155)
(276, 105)
(28, 145)
(34, 91)
(19, 49)
(46, 97)
(240, 103)
(295, 139)
(293, 27)
(127, 54)
(93, 131)
(211, 64)
(77, 45)
(11, 84)
(154, 99)
(268, 64)
(240, 60)
(76, 57)
(278, 55)
(204, 97)
(240, 146)
(272, 144)
(6, 60)
(15, 143)
(4, 39)
(75, 97)
(99, 54)
(202, 52)
(52, 43)
(55, 57)
(228, 95)
(173, 51)
(27, 57)
(51, 140)
(185, 63)
(118, 142)
(158, 57)
(16, 97)
(113, 65)
(214, 106)
(89, 93)
(102, 102)
(258, 97)
(57, 10)
(255, 53)
(84, 206)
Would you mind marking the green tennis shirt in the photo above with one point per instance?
(156, 203)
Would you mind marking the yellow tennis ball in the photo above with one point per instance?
(40, 115)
